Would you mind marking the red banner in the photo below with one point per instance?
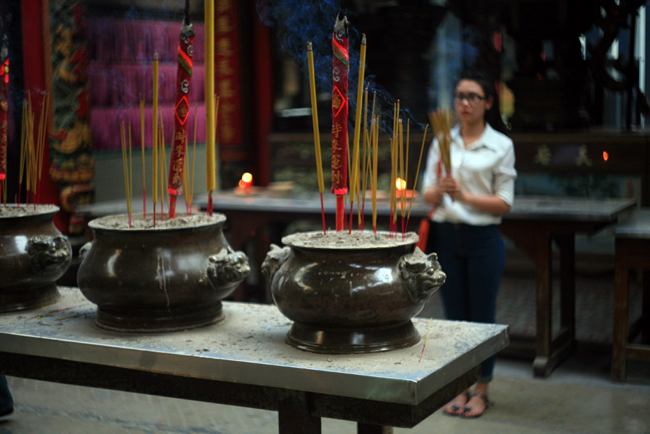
(229, 126)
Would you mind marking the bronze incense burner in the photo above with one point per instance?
(172, 277)
(33, 255)
(351, 293)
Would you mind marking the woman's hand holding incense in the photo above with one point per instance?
(450, 186)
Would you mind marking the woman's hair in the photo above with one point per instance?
(492, 116)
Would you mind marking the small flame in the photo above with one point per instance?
(246, 180)
(400, 184)
(605, 156)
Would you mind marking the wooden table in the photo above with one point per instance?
(245, 362)
(632, 251)
(533, 224)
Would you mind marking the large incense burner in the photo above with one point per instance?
(33, 255)
(171, 277)
(351, 293)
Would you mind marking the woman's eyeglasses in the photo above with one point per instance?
(471, 98)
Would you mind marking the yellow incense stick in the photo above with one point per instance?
(417, 173)
(125, 170)
(142, 136)
(210, 127)
(366, 155)
(314, 118)
(426, 339)
(375, 152)
(401, 166)
(155, 133)
(194, 152)
(163, 165)
(130, 202)
(23, 139)
(43, 135)
(357, 123)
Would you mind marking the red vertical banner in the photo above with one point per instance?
(227, 68)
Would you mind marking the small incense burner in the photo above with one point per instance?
(172, 277)
(351, 293)
(33, 255)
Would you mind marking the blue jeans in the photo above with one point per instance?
(473, 258)
(6, 401)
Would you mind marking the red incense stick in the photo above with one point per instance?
(4, 108)
(181, 111)
(340, 71)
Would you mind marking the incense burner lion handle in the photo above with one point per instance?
(274, 260)
(83, 251)
(228, 268)
(49, 254)
(421, 274)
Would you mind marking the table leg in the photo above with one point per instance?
(565, 342)
(541, 364)
(294, 415)
(363, 428)
(645, 313)
(567, 283)
(621, 312)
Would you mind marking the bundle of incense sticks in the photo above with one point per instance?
(32, 150)
(441, 121)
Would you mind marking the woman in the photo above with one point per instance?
(469, 204)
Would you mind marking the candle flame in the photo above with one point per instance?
(400, 184)
(246, 180)
(605, 156)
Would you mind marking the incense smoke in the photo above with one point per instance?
(299, 22)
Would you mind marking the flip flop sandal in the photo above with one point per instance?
(485, 399)
(456, 407)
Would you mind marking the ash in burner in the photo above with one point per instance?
(345, 240)
(121, 222)
(11, 211)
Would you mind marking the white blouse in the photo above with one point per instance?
(487, 167)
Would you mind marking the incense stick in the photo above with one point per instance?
(417, 173)
(154, 156)
(354, 181)
(375, 151)
(144, 178)
(194, 154)
(316, 130)
(125, 169)
(426, 339)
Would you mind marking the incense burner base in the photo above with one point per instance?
(159, 279)
(352, 341)
(28, 299)
(159, 320)
(351, 293)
